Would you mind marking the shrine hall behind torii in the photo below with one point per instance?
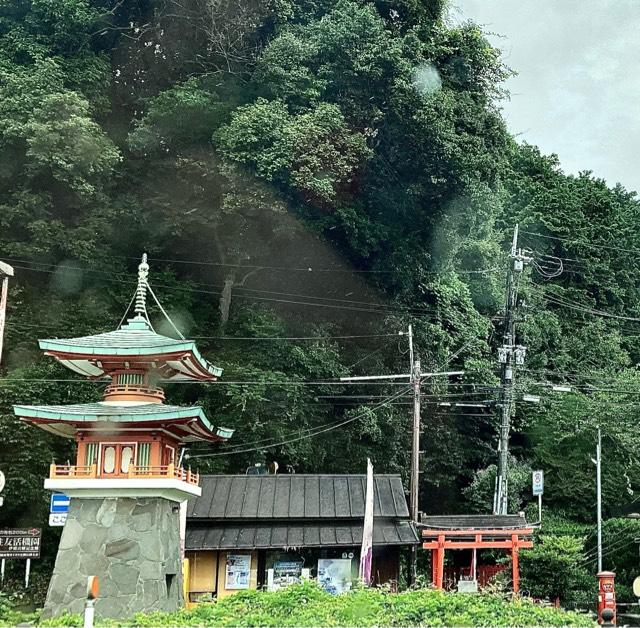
(474, 532)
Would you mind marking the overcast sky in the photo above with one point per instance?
(577, 93)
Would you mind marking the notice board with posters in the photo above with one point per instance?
(238, 571)
(20, 542)
(334, 574)
(286, 572)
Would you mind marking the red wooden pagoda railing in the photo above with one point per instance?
(171, 472)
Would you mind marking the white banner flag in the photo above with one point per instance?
(366, 550)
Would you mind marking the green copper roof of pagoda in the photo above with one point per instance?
(96, 412)
(89, 413)
(136, 338)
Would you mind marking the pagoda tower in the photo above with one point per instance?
(128, 491)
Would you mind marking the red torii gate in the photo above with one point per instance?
(475, 532)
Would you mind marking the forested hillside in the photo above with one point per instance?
(309, 177)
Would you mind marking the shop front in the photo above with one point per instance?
(248, 532)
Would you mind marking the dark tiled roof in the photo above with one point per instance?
(475, 522)
(251, 497)
(263, 535)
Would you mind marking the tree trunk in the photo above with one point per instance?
(225, 299)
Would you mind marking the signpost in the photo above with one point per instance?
(537, 485)
(59, 509)
(21, 543)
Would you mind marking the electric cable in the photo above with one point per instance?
(293, 440)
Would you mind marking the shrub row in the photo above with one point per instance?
(307, 605)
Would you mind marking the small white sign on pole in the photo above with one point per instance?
(537, 483)
(57, 519)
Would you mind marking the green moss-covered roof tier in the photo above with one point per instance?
(134, 344)
(188, 424)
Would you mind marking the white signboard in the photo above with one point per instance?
(334, 574)
(537, 483)
(57, 519)
(238, 573)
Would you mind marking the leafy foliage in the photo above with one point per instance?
(307, 605)
(554, 569)
(309, 177)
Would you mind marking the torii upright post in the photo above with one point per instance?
(5, 272)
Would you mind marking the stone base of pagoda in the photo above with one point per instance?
(133, 546)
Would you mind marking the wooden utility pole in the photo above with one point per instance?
(5, 272)
(414, 369)
(414, 378)
(599, 495)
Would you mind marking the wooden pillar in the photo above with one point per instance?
(81, 453)
(155, 456)
(434, 566)
(515, 566)
(474, 571)
(440, 563)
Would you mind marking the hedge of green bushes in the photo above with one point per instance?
(307, 605)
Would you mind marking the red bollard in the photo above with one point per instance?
(606, 595)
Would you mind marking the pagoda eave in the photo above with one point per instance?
(185, 425)
(174, 366)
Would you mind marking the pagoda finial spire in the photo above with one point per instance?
(141, 292)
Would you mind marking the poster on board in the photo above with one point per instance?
(334, 574)
(286, 572)
(238, 573)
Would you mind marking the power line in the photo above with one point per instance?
(19, 323)
(583, 244)
(332, 424)
(303, 437)
(218, 289)
(582, 308)
(373, 307)
(305, 269)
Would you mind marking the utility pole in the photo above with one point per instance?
(509, 355)
(414, 491)
(6, 271)
(414, 365)
(414, 378)
(598, 462)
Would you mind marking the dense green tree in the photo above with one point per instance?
(553, 568)
(313, 168)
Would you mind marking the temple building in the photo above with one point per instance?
(128, 490)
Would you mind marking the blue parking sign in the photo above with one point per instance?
(59, 503)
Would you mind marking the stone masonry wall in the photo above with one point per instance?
(131, 544)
